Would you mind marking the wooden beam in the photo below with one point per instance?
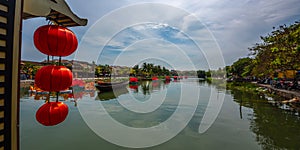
(10, 33)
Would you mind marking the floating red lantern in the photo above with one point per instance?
(77, 82)
(175, 77)
(133, 79)
(134, 87)
(52, 113)
(167, 78)
(53, 78)
(78, 95)
(155, 84)
(55, 40)
(154, 78)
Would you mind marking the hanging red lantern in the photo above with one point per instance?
(55, 40)
(52, 113)
(53, 78)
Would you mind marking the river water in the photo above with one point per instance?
(244, 120)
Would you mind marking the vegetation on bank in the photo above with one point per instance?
(278, 51)
(244, 86)
(145, 70)
(252, 88)
(28, 70)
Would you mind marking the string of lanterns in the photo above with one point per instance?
(54, 40)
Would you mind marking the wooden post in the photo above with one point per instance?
(10, 44)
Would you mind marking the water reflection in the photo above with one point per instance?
(274, 128)
(76, 92)
(144, 88)
(247, 120)
(104, 96)
(145, 94)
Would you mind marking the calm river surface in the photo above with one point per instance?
(245, 121)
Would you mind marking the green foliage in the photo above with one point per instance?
(243, 86)
(103, 70)
(29, 69)
(241, 68)
(201, 74)
(208, 74)
(279, 50)
(148, 70)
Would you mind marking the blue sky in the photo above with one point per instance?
(185, 34)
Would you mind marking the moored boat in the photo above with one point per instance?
(109, 86)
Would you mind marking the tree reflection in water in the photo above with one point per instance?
(275, 128)
(143, 87)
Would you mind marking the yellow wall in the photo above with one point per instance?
(287, 74)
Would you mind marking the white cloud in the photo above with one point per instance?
(157, 42)
(155, 49)
(236, 24)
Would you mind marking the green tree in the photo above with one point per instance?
(242, 67)
(208, 74)
(201, 74)
(30, 70)
(279, 50)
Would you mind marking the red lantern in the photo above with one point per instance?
(133, 79)
(52, 113)
(155, 84)
(134, 87)
(167, 78)
(55, 40)
(53, 78)
(78, 95)
(77, 82)
(154, 78)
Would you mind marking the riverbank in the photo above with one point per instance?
(279, 95)
(282, 92)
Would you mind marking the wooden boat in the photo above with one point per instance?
(109, 86)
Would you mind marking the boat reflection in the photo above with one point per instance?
(137, 88)
(108, 95)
